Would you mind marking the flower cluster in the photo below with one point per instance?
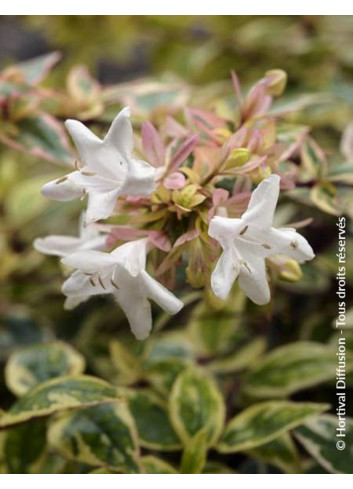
(190, 207)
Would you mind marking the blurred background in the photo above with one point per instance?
(314, 50)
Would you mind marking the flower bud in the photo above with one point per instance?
(238, 157)
(276, 82)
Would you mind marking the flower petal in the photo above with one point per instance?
(120, 135)
(100, 205)
(263, 203)
(132, 256)
(57, 245)
(90, 261)
(106, 157)
(140, 178)
(72, 302)
(87, 143)
(81, 285)
(225, 230)
(287, 241)
(136, 307)
(225, 273)
(62, 189)
(253, 280)
(159, 294)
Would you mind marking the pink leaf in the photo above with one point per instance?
(152, 144)
(123, 233)
(173, 129)
(257, 102)
(184, 238)
(220, 195)
(182, 153)
(160, 240)
(237, 89)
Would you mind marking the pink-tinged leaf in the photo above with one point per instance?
(237, 89)
(300, 224)
(174, 181)
(209, 119)
(238, 203)
(81, 85)
(287, 182)
(160, 240)
(152, 145)
(256, 141)
(219, 197)
(123, 233)
(41, 136)
(174, 129)
(33, 70)
(239, 138)
(251, 165)
(183, 152)
(184, 238)
(257, 102)
(294, 147)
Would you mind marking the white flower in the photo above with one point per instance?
(247, 241)
(121, 273)
(106, 170)
(89, 239)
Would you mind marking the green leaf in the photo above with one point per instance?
(280, 452)
(162, 374)
(239, 359)
(263, 422)
(25, 201)
(24, 447)
(169, 346)
(125, 363)
(319, 438)
(34, 70)
(217, 468)
(37, 363)
(195, 403)
(212, 331)
(324, 196)
(41, 136)
(81, 85)
(195, 453)
(342, 173)
(291, 368)
(313, 160)
(57, 395)
(151, 417)
(102, 435)
(154, 465)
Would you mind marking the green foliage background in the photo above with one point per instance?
(236, 389)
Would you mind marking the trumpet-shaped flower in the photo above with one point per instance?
(121, 273)
(106, 169)
(89, 239)
(247, 241)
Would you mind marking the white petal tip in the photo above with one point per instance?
(125, 112)
(176, 307)
(141, 336)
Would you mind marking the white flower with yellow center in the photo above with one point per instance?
(106, 169)
(121, 273)
(247, 241)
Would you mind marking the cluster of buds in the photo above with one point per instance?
(191, 206)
